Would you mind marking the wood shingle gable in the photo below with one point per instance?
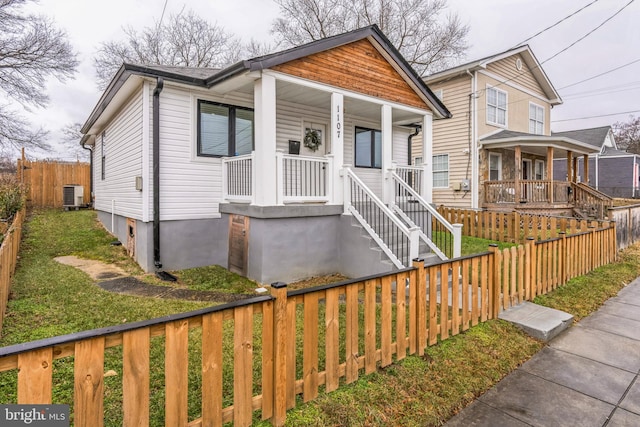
(357, 66)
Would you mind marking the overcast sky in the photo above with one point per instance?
(496, 25)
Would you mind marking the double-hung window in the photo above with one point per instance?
(224, 130)
(496, 106)
(536, 119)
(538, 171)
(441, 171)
(368, 143)
(103, 155)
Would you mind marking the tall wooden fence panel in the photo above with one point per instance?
(627, 220)
(46, 179)
(222, 364)
(8, 259)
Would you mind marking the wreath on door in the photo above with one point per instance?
(312, 139)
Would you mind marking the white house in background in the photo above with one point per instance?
(280, 167)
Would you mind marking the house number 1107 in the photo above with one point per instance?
(338, 123)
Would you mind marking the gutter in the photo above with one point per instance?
(416, 131)
(83, 141)
(156, 173)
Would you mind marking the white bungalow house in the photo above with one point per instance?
(279, 167)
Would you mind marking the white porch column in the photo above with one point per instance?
(264, 162)
(427, 158)
(387, 152)
(337, 145)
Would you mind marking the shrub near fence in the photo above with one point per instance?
(515, 227)
(8, 259)
(260, 353)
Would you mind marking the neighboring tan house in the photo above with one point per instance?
(276, 167)
(497, 151)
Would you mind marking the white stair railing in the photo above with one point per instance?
(399, 242)
(443, 238)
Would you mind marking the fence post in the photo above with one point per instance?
(528, 270)
(279, 292)
(593, 246)
(494, 282)
(563, 258)
(613, 244)
(457, 240)
(421, 304)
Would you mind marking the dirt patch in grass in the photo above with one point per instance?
(317, 281)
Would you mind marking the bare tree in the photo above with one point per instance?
(185, 40)
(70, 142)
(627, 134)
(32, 49)
(429, 40)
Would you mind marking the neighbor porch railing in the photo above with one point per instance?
(442, 237)
(590, 201)
(222, 364)
(300, 179)
(529, 191)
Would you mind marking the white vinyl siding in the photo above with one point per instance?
(123, 161)
(536, 119)
(441, 171)
(496, 106)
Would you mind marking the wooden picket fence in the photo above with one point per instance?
(261, 353)
(8, 259)
(515, 227)
(45, 180)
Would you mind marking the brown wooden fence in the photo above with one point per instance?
(261, 353)
(515, 227)
(8, 259)
(45, 180)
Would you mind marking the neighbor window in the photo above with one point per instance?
(495, 167)
(538, 172)
(224, 130)
(496, 106)
(102, 154)
(368, 148)
(441, 171)
(417, 161)
(536, 119)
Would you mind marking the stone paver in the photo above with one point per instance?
(631, 401)
(622, 418)
(479, 414)
(592, 378)
(614, 324)
(540, 322)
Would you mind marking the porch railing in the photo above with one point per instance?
(237, 178)
(443, 238)
(399, 242)
(412, 175)
(303, 179)
(530, 191)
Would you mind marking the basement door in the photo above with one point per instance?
(238, 243)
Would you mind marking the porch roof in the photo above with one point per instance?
(241, 73)
(537, 144)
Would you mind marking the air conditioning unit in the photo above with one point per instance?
(72, 196)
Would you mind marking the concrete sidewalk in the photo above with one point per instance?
(587, 376)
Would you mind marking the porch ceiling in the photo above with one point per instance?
(321, 99)
(537, 145)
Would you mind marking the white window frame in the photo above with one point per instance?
(539, 163)
(417, 161)
(497, 108)
(534, 120)
(499, 156)
(440, 172)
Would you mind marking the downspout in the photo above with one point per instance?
(156, 173)
(416, 131)
(83, 142)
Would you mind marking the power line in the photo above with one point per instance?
(601, 74)
(595, 117)
(557, 23)
(589, 33)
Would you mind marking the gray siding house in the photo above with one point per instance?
(611, 171)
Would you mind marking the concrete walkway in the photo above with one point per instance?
(587, 376)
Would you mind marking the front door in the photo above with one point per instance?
(238, 243)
